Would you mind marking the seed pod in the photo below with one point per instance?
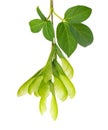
(54, 107)
(34, 86)
(42, 105)
(24, 88)
(69, 85)
(44, 89)
(68, 69)
(60, 89)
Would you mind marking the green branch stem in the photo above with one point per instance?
(53, 12)
(51, 15)
(58, 16)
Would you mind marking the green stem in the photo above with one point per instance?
(58, 15)
(52, 20)
(51, 10)
(52, 53)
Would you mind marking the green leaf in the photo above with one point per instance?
(69, 85)
(42, 105)
(77, 14)
(40, 13)
(82, 33)
(36, 25)
(34, 86)
(68, 69)
(24, 88)
(60, 89)
(65, 38)
(48, 30)
(54, 107)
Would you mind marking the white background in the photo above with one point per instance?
(23, 53)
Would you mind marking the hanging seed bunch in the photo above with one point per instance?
(55, 77)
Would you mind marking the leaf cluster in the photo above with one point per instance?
(69, 32)
(36, 25)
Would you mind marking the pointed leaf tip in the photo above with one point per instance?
(40, 13)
